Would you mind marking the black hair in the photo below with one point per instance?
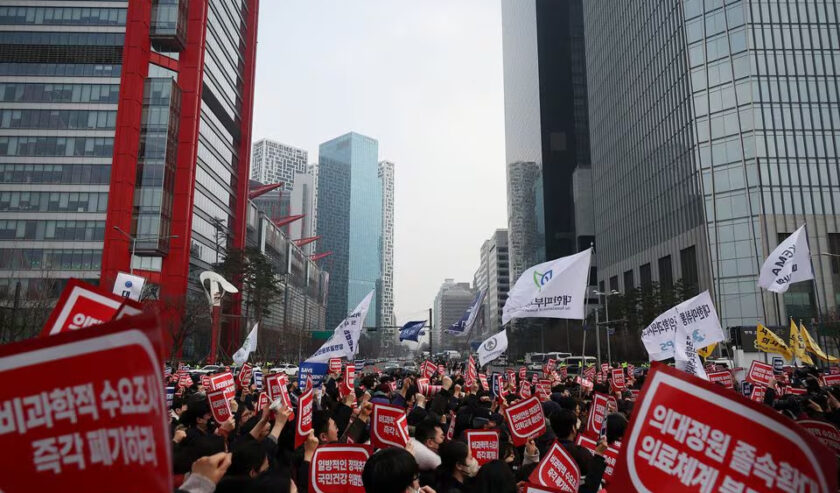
(248, 455)
(321, 422)
(390, 470)
(195, 410)
(563, 422)
(616, 425)
(425, 430)
(451, 454)
(494, 477)
(568, 402)
(192, 449)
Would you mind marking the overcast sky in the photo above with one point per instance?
(425, 80)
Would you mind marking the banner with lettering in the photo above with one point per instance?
(219, 405)
(598, 411)
(85, 410)
(484, 445)
(244, 376)
(389, 427)
(825, 432)
(557, 470)
(223, 381)
(761, 374)
(525, 420)
(610, 455)
(303, 425)
(337, 468)
(84, 305)
(618, 379)
(723, 378)
(731, 442)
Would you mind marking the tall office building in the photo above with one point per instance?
(452, 300)
(714, 134)
(546, 133)
(492, 277)
(386, 291)
(126, 127)
(273, 162)
(350, 223)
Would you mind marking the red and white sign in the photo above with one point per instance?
(335, 365)
(428, 369)
(86, 408)
(262, 401)
(795, 391)
(723, 378)
(525, 420)
(483, 379)
(834, 370)
(83, 305)
(205, 382)
(303, 425)
(389, 427)
(757, 393)
(524, 389)
(552, 364)
(185, 380)
(337, 468)
(348, 382)
(484, 445)
(826, 433)
(276, 386)
(244, 376)
(470, 377)
(523, 373)
(605, 368)
(223, 381)
(731, 442)
(441, 370)
(831, 380)
(598, 411)
(761, 374)
(219, 405)
(610, 455)
(557, 470)
(618, 379)
(543, 389)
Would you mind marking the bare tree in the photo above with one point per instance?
(23, 312)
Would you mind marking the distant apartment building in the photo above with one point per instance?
(492, 277)
(452, 300)
(273, 162)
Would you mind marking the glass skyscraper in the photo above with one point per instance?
(714, 130)
(350, 223)
(546, 132)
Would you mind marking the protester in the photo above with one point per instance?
(457, 468)
(393, 470)
(428, 436)
(494, 477)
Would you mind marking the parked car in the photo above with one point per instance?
(287, 368)
(573, 363)
(207, 369)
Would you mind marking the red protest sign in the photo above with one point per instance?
(826, 433)
(335, 365)
(525, 420)
(276, 386)
(610, 455)
(757, 393)
(86, 408)
(185, 380)
(348, 382)
(389, 427)
(223, 381)
(598, 411)
(524, 389)
(441, 370)
(557, 470)
(245, 375)
(761, 374)
(483, 379)
(262, 401)
(723, 378)
(205, 382)
(219, 405)
(543, 389)
(523, 373)
(83, 305)
(303, 424)
(831, 380)
(730, 441)
(605, 367)
(795, 391)
(618, 379)
(337, 468)
(429, 369)
(484, 445)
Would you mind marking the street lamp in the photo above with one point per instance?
(607, 313)
(133, 240)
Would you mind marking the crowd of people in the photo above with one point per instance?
(254, 451)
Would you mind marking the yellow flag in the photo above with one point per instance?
(811, 345)
(767, 341)
(797, 345)
(707, 351)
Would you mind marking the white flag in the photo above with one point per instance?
(693, 320)
(790, 262)
(554, 289)
(129, 286)
(492, 348)
(345, 340)
(248, 347)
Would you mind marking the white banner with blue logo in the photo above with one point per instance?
(463, 326)
(345, 340)
(129, 286)
(554, 289)
(412, 330)
(680, 331)
(492, 348)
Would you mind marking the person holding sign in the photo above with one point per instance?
(457, 468)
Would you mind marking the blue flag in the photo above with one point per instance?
(467, 320)
(411, 330)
